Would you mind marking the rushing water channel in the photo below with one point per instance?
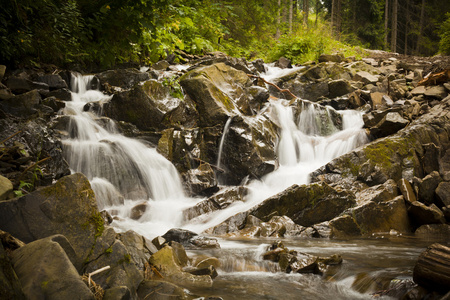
(125, 172)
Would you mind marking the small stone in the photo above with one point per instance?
(437, 92)
(420, 90)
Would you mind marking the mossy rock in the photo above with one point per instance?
(306, 205)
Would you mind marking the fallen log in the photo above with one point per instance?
(432, 269)
(436, 78)
(274, 85)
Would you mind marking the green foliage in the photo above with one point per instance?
(444, 44)
(23, 186)
(174, 85)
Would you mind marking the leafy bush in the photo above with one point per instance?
(444, 44)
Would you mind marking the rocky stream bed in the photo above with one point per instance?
(95, 171)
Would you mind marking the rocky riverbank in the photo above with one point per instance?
(53, 231)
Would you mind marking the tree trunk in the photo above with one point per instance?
(432, 269)
(305, 12)
(394, 26)
(291, 4)
(278, 34)
(406, 27)
(386, 23)
(422, 16)
(317, 12)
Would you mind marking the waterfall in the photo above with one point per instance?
(222, 140)
(143, 190)
(302, 149)
(123, 172)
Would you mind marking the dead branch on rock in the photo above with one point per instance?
(32, 166)
(274, 85)
(436, 78)
(9, 137)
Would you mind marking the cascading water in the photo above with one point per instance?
(302, 149)
(123, 172)
(222, 141)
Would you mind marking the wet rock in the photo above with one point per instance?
(159, 242)
(201, 181)
(382, 217)
(123, 78)
(54, 81)
(232, 224)
(117, 293)
(259, 65)
(421, 214)
(55, 104)
(365, 283)
(60, 94)
(189, 239)
(339, 88)
(68, 207)
(23, 105)
(306, 205)
(433, 230)
(249, 149)
(283, 63)
(135, 106)
(428, 186)
(310, 90)
(6, 188)
(215, 89)
(46, 272)
(432, 269)
(160, 65)
(443, 194)
(436, 92)
(407, 191)
(390, 124)
(343, 227)
(5, 93)
(209, 271)
(136, 247)
(160, 290)
(164, 261)
(430, 158)
(19, 85)
(179, 253)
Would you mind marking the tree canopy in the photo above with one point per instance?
(103, 33)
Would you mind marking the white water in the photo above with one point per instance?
(222, 140)
(125, 172)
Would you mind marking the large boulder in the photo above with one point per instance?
(21, 84)
(216, 89)
(46, 272)
(68, 207)
(23, 105)
(6, 188)
(306, 204)
(54, 81)
(248, 149)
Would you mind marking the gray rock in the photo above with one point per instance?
(160, 65)
(68, 207)
(390, 124)
(365, 77)
(123, 78)
(339, 88)
(23, 105)
(158, 290)
(421, 214)
(259, 65)
(443, 194)
(428, 186)
(19, 85)
(407, 191)
(117, 293)
(417, 91)
(46, 272)
(283, 63)
(344, 226)
(331, 58)
(433, 230)
(60, 94)
(201, 180)
(54, 81)
(436, 92)
(6, 188)
(306, 204)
